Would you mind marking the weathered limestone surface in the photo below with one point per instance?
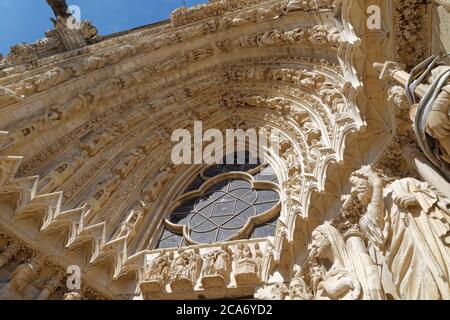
(86, 177)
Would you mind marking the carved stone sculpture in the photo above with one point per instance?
(280, 291)
(160, 268)
(431, 115)
(89, 31)
(125, 166)
(195, 265)
(22, 53)
(61, 174)
(407, 222)
(180, 273)
(106, 189)
(437, 122)
(307, 5)
(246, 265)
(128, 228)
(335, 278)
(217, 268)
(222, 264)
(86, 176)
(51, 286)
(151, 192)
(258, 259)
(98, 142)
(52, 78)
(298, 289)
(8, 96)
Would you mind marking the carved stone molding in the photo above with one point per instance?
(213, 271)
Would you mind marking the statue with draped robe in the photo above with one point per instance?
(337, 271)
(408, 223)
(431, 115)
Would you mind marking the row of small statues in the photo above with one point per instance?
(192, 265)
(185, 15)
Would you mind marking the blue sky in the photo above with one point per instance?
(27, 20)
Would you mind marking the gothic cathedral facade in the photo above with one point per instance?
(355, 204)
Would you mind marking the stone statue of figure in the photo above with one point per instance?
(160, 268)
(432, 115)
(129, 163)
(88, 30)
(244, 253)
(180, 267)
(128, 227)
(223, 262)
(208, 269)
(279, 292)
(333, 275)
(195, 265)
(408, 223)
(218, 263)
(438, 120)
(258, 259)
(298, 290)
(295, 5)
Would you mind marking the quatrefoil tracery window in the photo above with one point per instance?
(226, 202)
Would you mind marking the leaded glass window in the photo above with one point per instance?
(242, 202)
